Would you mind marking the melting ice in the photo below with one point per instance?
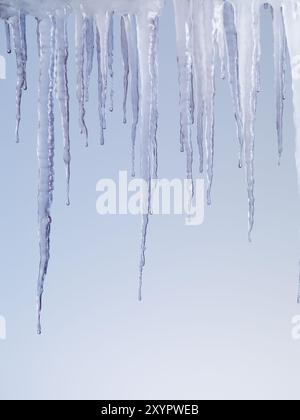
(205, 30)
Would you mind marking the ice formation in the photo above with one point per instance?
(205, 29)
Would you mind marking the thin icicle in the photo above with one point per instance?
(205, 38)
(111, 59)
(233, 72)
(8, 37)
(131, 35)
(80, 34)
(23, 47)
(125, 53)
(62, 53)
(280, 67)
(100, 89)
(45, 149)
(17, 29)
(147, 24)
(90, 48)
(103, 24)
(185, 65)
(248, 35)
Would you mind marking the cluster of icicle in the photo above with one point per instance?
(205, 29)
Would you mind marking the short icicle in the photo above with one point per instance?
(45, 149)
(8, 37)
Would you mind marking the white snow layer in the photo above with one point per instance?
(205, 29)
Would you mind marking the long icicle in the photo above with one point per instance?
(185, 66)
(279, 66)
(291, 13)
(45, 149)
(90, 49)
(131, 35)
(147, 24)
(23, 47)
(125, 56)
(111, 59)
(205, 40)
(62, 54)
(247, 27)
(17, 33)
(80, 34)
(103, 24)
(233, 73)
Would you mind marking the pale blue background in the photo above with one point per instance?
(216, 317)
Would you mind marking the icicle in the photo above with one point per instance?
(124, 46)
(23, 47)
(80, 34)
(291, 13)
(233, 72)
(147, 24)
(45, 149)
(90, 48)
(19, 38)
(185, 65)
(205, 37)
(62, 53)
(247, 27)
(111, 58)
(219, 12)
(279, 65)
(103, 23)
(131, 36)
(8, 37)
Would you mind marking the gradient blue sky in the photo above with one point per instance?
(216, 317)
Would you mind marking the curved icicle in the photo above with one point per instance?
(45, 149)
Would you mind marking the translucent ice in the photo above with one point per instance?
(205, 29)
